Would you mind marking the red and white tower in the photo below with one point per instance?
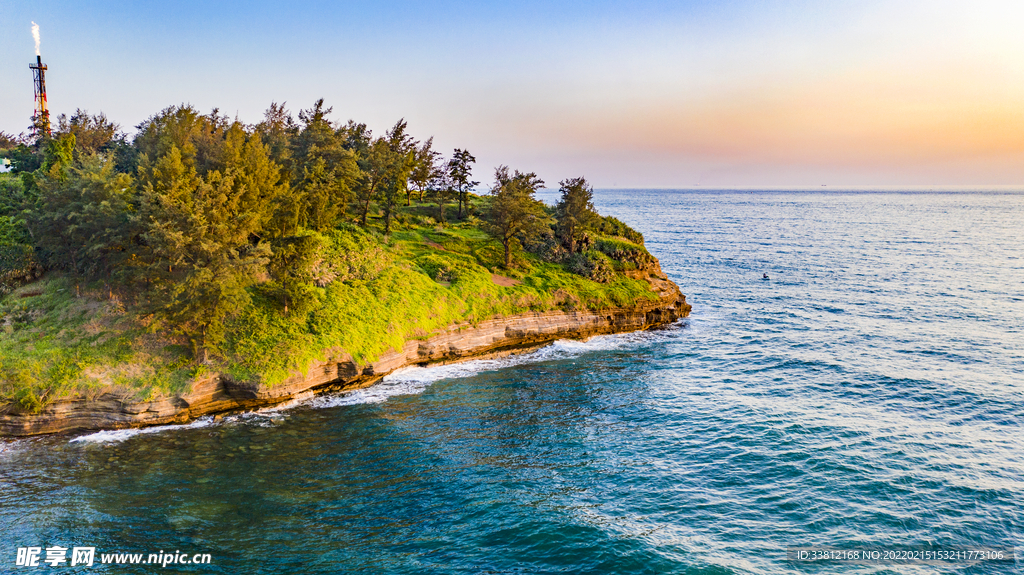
(41, 119)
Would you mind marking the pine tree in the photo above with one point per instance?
(291, 267)
(424, 169)
(80, 221)
(399, 162)
(460, 170)
(277, 131)
(515, 214)
(441, 190)
(574, 211)
(324, 170)
(195, 234)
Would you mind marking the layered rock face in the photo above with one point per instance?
(217, 393)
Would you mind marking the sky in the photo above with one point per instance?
(629, 94)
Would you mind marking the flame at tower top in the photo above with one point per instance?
(35, 36)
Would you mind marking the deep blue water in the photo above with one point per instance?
(871, 392)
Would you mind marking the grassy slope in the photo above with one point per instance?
(385, 291)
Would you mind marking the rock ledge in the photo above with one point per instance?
(217, 393)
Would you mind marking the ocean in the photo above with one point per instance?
(868, 395)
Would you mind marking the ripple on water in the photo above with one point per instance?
(871, 392)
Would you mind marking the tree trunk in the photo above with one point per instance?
(200, 348)
(508, 253)
(366, 210)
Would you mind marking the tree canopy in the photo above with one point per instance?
(574, 211)
(515, 214)
(197, 215)
(459, 171)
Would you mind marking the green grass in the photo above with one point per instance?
(382, 292)
(54, 344)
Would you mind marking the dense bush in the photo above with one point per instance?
(611, 226)
(632, 255)
(591, 264)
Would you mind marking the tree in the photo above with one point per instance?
(399, 163)
(13, 199)
(25, 159)
(322, 197)
(374, 171)
(423, 170)
(92, 133)
(398, 140)
(392, 190)
(58, 157)
(291, 266)
(277, 131)
(78, 216)
(574, 211)
(195, 237)
(515, 214)
(357, 138)
(198, 138)
(8, 141)
(80, 221)
(459, 170)
(324, 170)
(441, 190)
(260, 181)
(385, 172)
(319, 139)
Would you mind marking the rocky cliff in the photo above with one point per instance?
(217, 393)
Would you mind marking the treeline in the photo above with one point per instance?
(196, 210)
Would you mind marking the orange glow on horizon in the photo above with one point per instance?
(867, 118)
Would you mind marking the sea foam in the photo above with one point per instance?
(117, 435)
(414, 379)
(405, 381)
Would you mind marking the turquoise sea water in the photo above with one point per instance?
(871, 392)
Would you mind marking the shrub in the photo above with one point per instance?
(635, 256)
(25, 401)
(611, 226)
(17, 265)
(591, 264)
(350, 254)
(548, 247)
(445, 267)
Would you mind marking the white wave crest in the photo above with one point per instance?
(376, 393)
(405, 381)
(413, 380)
(118, 435)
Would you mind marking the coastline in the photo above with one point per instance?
(216, 393)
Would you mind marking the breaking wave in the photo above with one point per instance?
(405, 381)
(414, 379)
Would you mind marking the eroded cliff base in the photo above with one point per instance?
(217, 393)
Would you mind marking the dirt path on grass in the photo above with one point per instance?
(504, 281)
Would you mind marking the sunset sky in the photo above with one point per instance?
(640, 94)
